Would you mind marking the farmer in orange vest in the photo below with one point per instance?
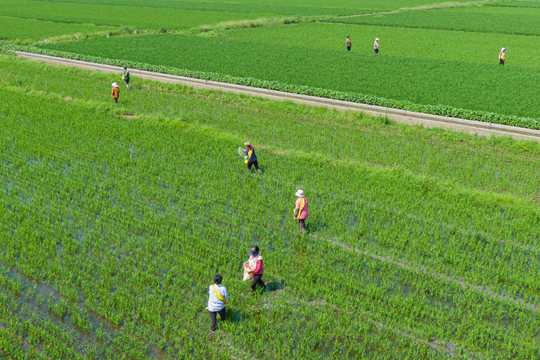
(115, 92)
(217, 299)
(301, 210)
(250, 158)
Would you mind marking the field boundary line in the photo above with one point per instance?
(398, 115)
(483, 290)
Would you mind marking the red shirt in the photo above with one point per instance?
(259, 269)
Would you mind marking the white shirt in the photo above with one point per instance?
(375, 44)
(214, 304)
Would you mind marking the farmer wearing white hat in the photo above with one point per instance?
(376, 46)
(502, 56)
(301, 210)
(115, 92)
(250, 158)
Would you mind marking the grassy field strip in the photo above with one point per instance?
(444, 5)
(27, 31)
(315, 7)
(480, 20)
(126, 16)
(428, 120)
(483, 290)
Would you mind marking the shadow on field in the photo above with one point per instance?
(275, 285)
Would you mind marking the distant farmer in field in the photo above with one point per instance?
(253, 268)
(125, 76)
(250, 158)
(217, 298)
(376, 46)
(502, 56)
(115, 92)
(301, 210)
(348, 43)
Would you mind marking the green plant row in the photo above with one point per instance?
(443, 110)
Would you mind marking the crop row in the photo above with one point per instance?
(300, 7)
(141, 17)
(37, 30)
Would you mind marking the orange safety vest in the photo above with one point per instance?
(115, 92)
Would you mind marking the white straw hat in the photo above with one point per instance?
(247, 143)
(299, 193)
(376, 39)
(114, 84)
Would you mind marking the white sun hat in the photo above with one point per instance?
(299, 193)
(247, 143)
(376, 39)
(114, 84)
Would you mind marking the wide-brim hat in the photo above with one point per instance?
(114, 85)
(376, 39)
(299, 193)
(247, 143)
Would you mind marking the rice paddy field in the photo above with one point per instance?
(114, 219)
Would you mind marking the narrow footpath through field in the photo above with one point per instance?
(403, 116)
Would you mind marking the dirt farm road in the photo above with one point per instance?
(403, 116)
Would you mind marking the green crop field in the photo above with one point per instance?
(31, 30)
(420, 243)
(114, 219)
(290, 59)
(439, 58)
(486, 19)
